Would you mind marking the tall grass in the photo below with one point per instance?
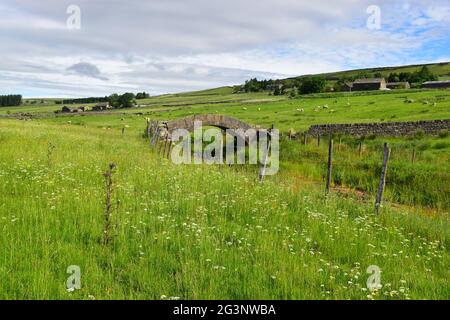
(423, 182)
(196, 232)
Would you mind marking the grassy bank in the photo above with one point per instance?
(192, 232)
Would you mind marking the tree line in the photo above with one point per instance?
(318, 84)
(420, 76)
(83, 100)
(10, 100)
(292, 86)
(125, 100)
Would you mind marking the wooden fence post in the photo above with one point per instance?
(413, 157)
(318, 140)
(169, 149)
(165, 146)
(304, 138)
(360, 149)
(339, 145)
(382, 184)
(262, 171)
(155, 137)
(149, 125)
(330, 166)
(159, 147)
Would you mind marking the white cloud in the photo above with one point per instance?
(168, 46)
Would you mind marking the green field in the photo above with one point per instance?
(263, 109)
(215, 232)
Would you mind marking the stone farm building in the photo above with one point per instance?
(398, 85)
(101, 106)
(436, 84)
(67, 109)
(369, 84)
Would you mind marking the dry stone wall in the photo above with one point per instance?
(382, 128)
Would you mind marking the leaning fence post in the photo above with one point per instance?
(382, 184)
(155, 137)
(330, 165)
(360, 149)
(165, 146)
(262, 171)
(169, 149)
(318, 140)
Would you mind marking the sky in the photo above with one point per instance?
(79, 48)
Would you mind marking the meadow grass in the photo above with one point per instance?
(198, 232)
(262, 109)
(422, 181)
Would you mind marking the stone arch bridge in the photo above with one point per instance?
(164, 129)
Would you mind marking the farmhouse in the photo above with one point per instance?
(369, 84)
(436, 84)
(84, 108)
(398, 85)
(347, 86)
(67, 109)
(101, 106)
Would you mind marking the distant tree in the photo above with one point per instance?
(426, 75)
(312, 85)
(393, 77)
(378, 75)
(10, 100)
(405, 76)
(142, 95)
(85, 100)
(255, 85)
(126, 100)
(114, 100)
(277, 91)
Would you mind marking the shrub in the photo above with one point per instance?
(424, 146)
(443, 133)
(419, 134)
(312, 85)
(441, 145)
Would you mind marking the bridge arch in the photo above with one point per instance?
(216, 120)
